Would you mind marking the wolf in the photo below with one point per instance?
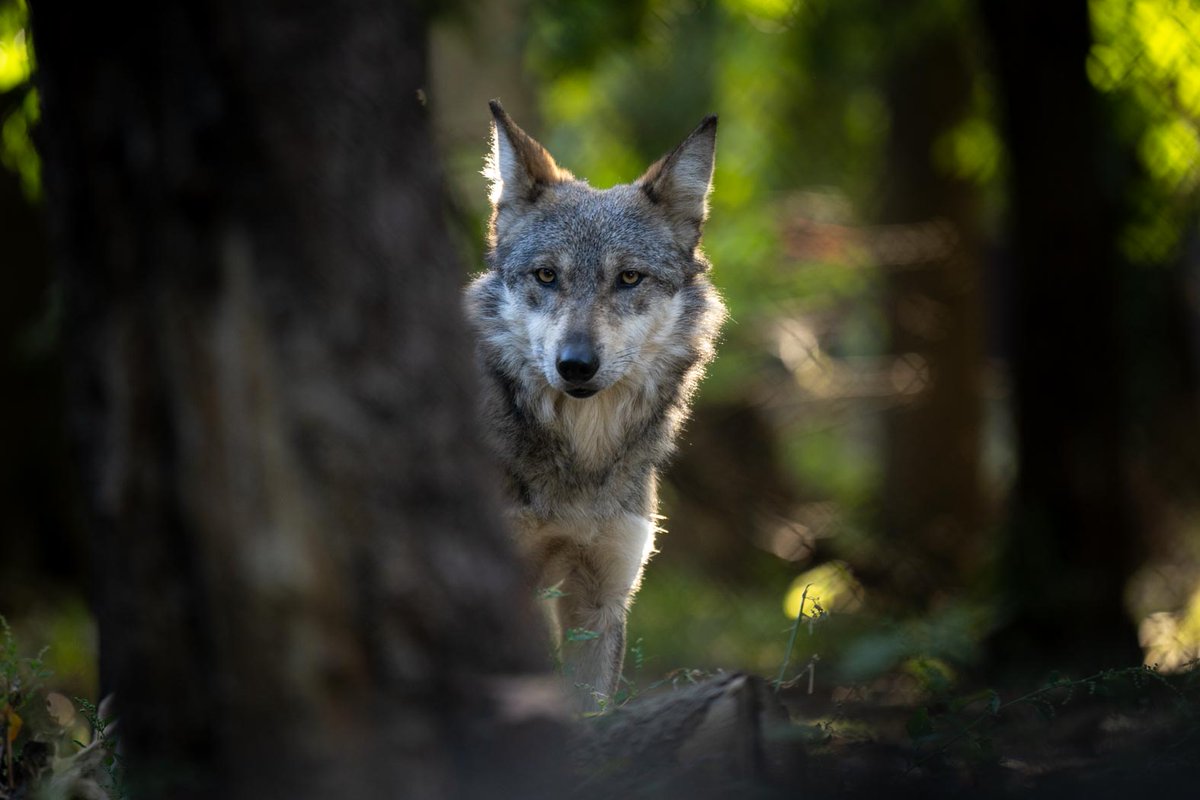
(594, 321)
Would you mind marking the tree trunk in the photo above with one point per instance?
(932, 504)
(43, 552)
(302, 586)
(1072, 540)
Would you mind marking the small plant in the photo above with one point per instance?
(21, 680)
(812, 618)
(106, 741)
(636, 654)
(38, 756)
(629, 690)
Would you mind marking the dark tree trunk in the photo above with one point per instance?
(302, 585)
(932, 504)
(42, 555)
(1072, 539)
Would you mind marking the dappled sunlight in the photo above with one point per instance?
(1171, 639)
(16, 58)
(828, 588)
(939, 489)
(19, 111)
(1169, 644)
(1149, 50)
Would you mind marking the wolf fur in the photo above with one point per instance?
(594, 320)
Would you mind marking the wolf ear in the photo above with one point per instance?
(518, 167)
(680, 181)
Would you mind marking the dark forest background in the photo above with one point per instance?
(956, 408)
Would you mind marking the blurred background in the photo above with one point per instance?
(956, 409)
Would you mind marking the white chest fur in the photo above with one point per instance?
(596, 427)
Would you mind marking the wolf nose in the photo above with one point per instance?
(577, 361)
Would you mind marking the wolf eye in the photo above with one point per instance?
(631, 277)
(545, 276)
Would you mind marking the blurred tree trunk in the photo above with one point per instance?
(1072, 541)
(43, 558)
(932, 504)
(302, 585)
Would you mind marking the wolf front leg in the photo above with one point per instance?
(597, 593)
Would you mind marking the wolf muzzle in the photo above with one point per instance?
(577, 363)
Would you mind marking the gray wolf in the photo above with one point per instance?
(594, 321)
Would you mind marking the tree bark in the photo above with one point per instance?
(302, 585)
(1072, 541)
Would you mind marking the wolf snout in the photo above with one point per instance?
(577, 360)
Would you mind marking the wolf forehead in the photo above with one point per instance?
(577, 225)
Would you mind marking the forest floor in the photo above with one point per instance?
(1111, 734)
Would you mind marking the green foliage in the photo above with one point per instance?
(1147, 56)
(801, 88)
(112, 762)
(16, 57)
(21, 680)
(19, 109)
(573, 35)
(41, 751)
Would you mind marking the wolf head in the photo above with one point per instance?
(589, 289)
